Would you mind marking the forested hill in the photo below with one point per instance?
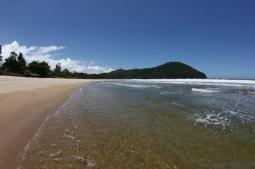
(170, 70)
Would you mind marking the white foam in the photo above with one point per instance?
(166, 93)
(213, 119)
(207, 90)
(175, 103)
(222, 117)
(234, 113)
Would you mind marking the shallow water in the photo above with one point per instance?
(143, 124)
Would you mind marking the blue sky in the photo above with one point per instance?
(215, 36)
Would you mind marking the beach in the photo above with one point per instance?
(61, 123)
(24, 105)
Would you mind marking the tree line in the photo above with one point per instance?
(16, 65)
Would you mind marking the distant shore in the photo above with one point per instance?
(24, 105)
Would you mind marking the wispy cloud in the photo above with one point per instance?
(46, 53)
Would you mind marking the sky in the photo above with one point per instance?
(94, 36)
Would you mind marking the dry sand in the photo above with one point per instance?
(24, 105)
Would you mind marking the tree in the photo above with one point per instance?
(57, 70)
(66, 73)
(1, 57)
(15, 64)
(40, 68)
(21, 63)
(11, 63)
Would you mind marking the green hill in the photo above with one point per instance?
(170, 70)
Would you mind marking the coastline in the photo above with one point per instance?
(25, 103)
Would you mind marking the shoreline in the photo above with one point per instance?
(24, 111)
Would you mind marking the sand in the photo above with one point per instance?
(24, 104)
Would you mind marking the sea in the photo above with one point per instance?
(149, 124)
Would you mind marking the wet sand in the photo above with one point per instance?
(24, 105)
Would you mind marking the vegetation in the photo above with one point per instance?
(57, 71)
(41, 69)
(14, 64)
(17, 65)
(1, 57)
(170, 70)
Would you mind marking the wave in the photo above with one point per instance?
(135, 85)
(166, 93)
(216, 82)
(206, 90)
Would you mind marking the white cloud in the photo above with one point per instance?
(35, 53)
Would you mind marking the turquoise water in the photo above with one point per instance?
(148, 124)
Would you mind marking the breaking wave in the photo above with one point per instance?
(135, 85)
(213, 82)
(205, 90)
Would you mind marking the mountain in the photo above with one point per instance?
(170, 70)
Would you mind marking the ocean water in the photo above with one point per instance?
(150, 124)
